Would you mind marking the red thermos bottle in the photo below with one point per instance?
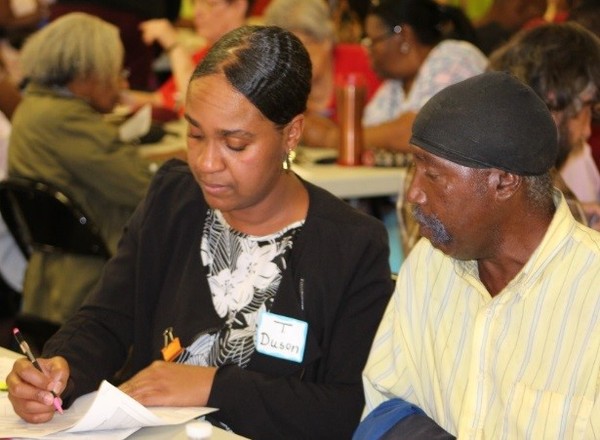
(350, 95)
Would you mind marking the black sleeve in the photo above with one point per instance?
(97, 339)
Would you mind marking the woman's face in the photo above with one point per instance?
(234, 151)
(214, 18)
(574, 130)
(320, 53)
(386, 58)
(103, 94)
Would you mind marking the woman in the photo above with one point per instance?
(212, 20)
(59, 136)
(219, 251)
(332, 63)
(412, 45)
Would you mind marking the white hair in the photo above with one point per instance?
(74, 46)
(311, 17)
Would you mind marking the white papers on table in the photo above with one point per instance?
(6, 365)
(137, 125)
(108, 412)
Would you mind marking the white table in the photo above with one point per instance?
(177, 432)
(353, 182)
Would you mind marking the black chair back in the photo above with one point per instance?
(42, 217)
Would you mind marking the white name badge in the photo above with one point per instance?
(280, 336)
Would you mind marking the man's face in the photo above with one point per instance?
(452, 204)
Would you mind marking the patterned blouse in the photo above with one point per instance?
(244, 273)
(449, 62)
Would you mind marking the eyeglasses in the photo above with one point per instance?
(370, 42)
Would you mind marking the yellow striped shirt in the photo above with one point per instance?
(522, 365)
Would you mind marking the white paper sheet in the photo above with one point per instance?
(107, 412)
(137, 125)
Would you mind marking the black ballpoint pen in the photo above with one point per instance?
(27, 352)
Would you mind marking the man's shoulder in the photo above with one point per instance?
(588, 240)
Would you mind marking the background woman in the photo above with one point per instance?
(212, 20)
(414, 45)
(332, 62)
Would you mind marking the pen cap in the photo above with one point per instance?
(198, 430)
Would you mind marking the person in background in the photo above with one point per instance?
(587, 14)
(59, 136)
(503, 19)
(347, 20)
(332, 64)
(127, 16)
(221, 249)
(411, 44)
(535, 56)
(10, 95)
(212, 20)
(493, 330)
(474, 9)
(557, 11)
(12, 260)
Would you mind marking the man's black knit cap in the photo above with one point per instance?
(491, 120)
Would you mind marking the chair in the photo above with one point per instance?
(44, 218)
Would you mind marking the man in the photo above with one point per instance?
(535, 56)
(494, 327)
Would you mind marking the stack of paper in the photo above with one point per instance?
(104, 414)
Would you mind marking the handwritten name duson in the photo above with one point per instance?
(266, 340)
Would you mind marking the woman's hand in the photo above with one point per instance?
(160, 31)
(171, 384)
(30, 390)
(320, 132)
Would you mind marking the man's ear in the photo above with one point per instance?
(505, 184)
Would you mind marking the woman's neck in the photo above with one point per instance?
(284, 206)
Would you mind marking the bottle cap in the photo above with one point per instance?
(356, 79)
(198, 430)
(351, 79)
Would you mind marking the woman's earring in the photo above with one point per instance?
(288, 159)
(404, 47)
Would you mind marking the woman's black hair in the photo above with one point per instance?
(268, 65)
(430, 21)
